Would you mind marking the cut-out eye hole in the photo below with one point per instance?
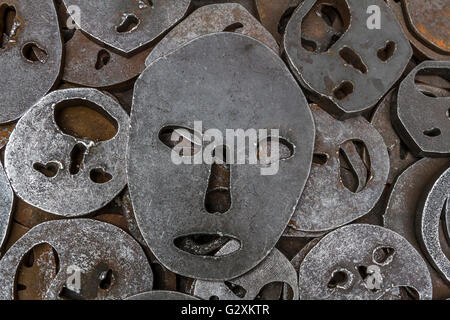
(386, 53)
(238, 290)
(339, 279)
(129, 23)
(271, 291)
(233, 27)
(353, 59)
(7, 19)
(214, 298)
(324, 25)
(285, 17)
(286, 150)
(434, 132)
(103, 58)
(383, 255)
(433, 82)
(218, 193)
(343, 90)
(144, 4)
(34, 53)
(106, 279)
(49, 170)
(182, 140)
(371, 276)
(83, 119)
(206, 244)
(37, 268)
(320, 159)
(100, 176)
(354, 165)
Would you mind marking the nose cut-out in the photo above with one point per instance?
(205, 244)
(76, 158)
(324, 25)
(180, 139)
(386, 53)
(103, 58)
(218, 194)
(83, 119)
(106, 279)
(339, 279)
(100, 176)
(354, 165)
(353, 59)
(237, 290)
(383, 255)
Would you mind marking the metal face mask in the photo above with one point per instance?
(225, 80)
(54, 169)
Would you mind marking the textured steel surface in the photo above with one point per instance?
(345, 70)
(352, 250)
(326, 203)
(6, 206)
(30, 59)
(428, 222)
(38, 144)
(226, 71)
(94, 247)
(128, 26)
(275, 268)
(210, 19)
(162, 295)
(420, 119)
(401, 212)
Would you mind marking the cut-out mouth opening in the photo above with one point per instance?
(83, 119)
(128, 24)
(207, 245)
(433, 82)
(233, 27)
(344, 90)
(49, 170)
(286, 150)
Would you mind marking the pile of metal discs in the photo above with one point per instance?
(99, 98)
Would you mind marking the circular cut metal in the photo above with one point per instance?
(96, 261)
(399, 156)
(421, 120)
(31, 52)
(222, 80)
(435, 206)
(91, 65)
(230, 17)
(346, 67)
(61, 173)
(401, 211)
(275, 268)
(430, 21)
(162, 295)
(6, 206)
(127, 26)
(326, 203)
(362, 262)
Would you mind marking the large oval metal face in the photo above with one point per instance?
(62, 173)
(275, 268)
(30, 55)
(346, 67)
(423, 118)
(6, 205)
(231, 17)
(225, 80)
(436, 208)
(343, 149)
(362, 262)
(162, 295)
(126, 25)
(96, 261)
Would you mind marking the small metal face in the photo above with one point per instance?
(348, 175)
(401, 211)
(221, 79)
(30, 54)
(127, 26)
(231, 17)
(274, 269)
(59, 172)
(363, 262)
(423, 118)
(399, 156)
(90, 65)
(346, 67)
(162, 295)
(436, 208)
(96, 261)
(6, 206)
